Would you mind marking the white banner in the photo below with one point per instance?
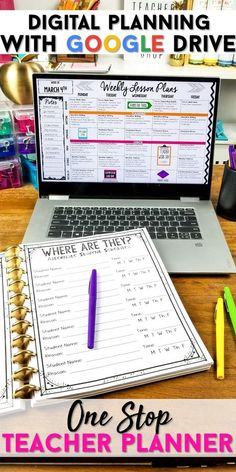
(101, 428)
(116, 32)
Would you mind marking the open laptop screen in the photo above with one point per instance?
(135, 130)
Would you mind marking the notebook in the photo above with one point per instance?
(118, 152)
(142, 333)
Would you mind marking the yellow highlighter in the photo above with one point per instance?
(219, 319)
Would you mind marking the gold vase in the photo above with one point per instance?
(16, 81)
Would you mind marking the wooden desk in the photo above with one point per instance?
(198, 293)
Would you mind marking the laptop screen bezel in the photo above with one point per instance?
(123, 190)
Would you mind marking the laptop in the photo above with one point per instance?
(120, 152)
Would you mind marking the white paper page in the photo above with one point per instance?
(141, 330)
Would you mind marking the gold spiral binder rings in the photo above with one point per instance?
(19, 311)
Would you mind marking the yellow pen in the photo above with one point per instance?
(219, 319)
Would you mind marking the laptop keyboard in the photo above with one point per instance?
(162, 223)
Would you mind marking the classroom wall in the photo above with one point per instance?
(51, 4)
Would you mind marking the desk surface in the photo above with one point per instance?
(198, 293)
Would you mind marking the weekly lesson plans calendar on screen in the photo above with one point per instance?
(139, 130)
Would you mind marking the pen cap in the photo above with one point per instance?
(226, 205)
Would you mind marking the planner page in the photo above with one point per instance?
(142, 332)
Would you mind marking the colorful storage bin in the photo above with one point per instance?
(26, 144)
(10, 173)
(24, 121)
(6, 128)
(7, 147)
(17, 147)
(29, 170)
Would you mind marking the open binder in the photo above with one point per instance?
(143, 333)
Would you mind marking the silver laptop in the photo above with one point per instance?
(119, 152)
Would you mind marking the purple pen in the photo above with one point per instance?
(232, 157)
(234, 160)
(231, 148)
(92, 308)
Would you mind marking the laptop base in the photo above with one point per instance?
(209, 255)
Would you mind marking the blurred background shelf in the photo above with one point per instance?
(124, 66)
